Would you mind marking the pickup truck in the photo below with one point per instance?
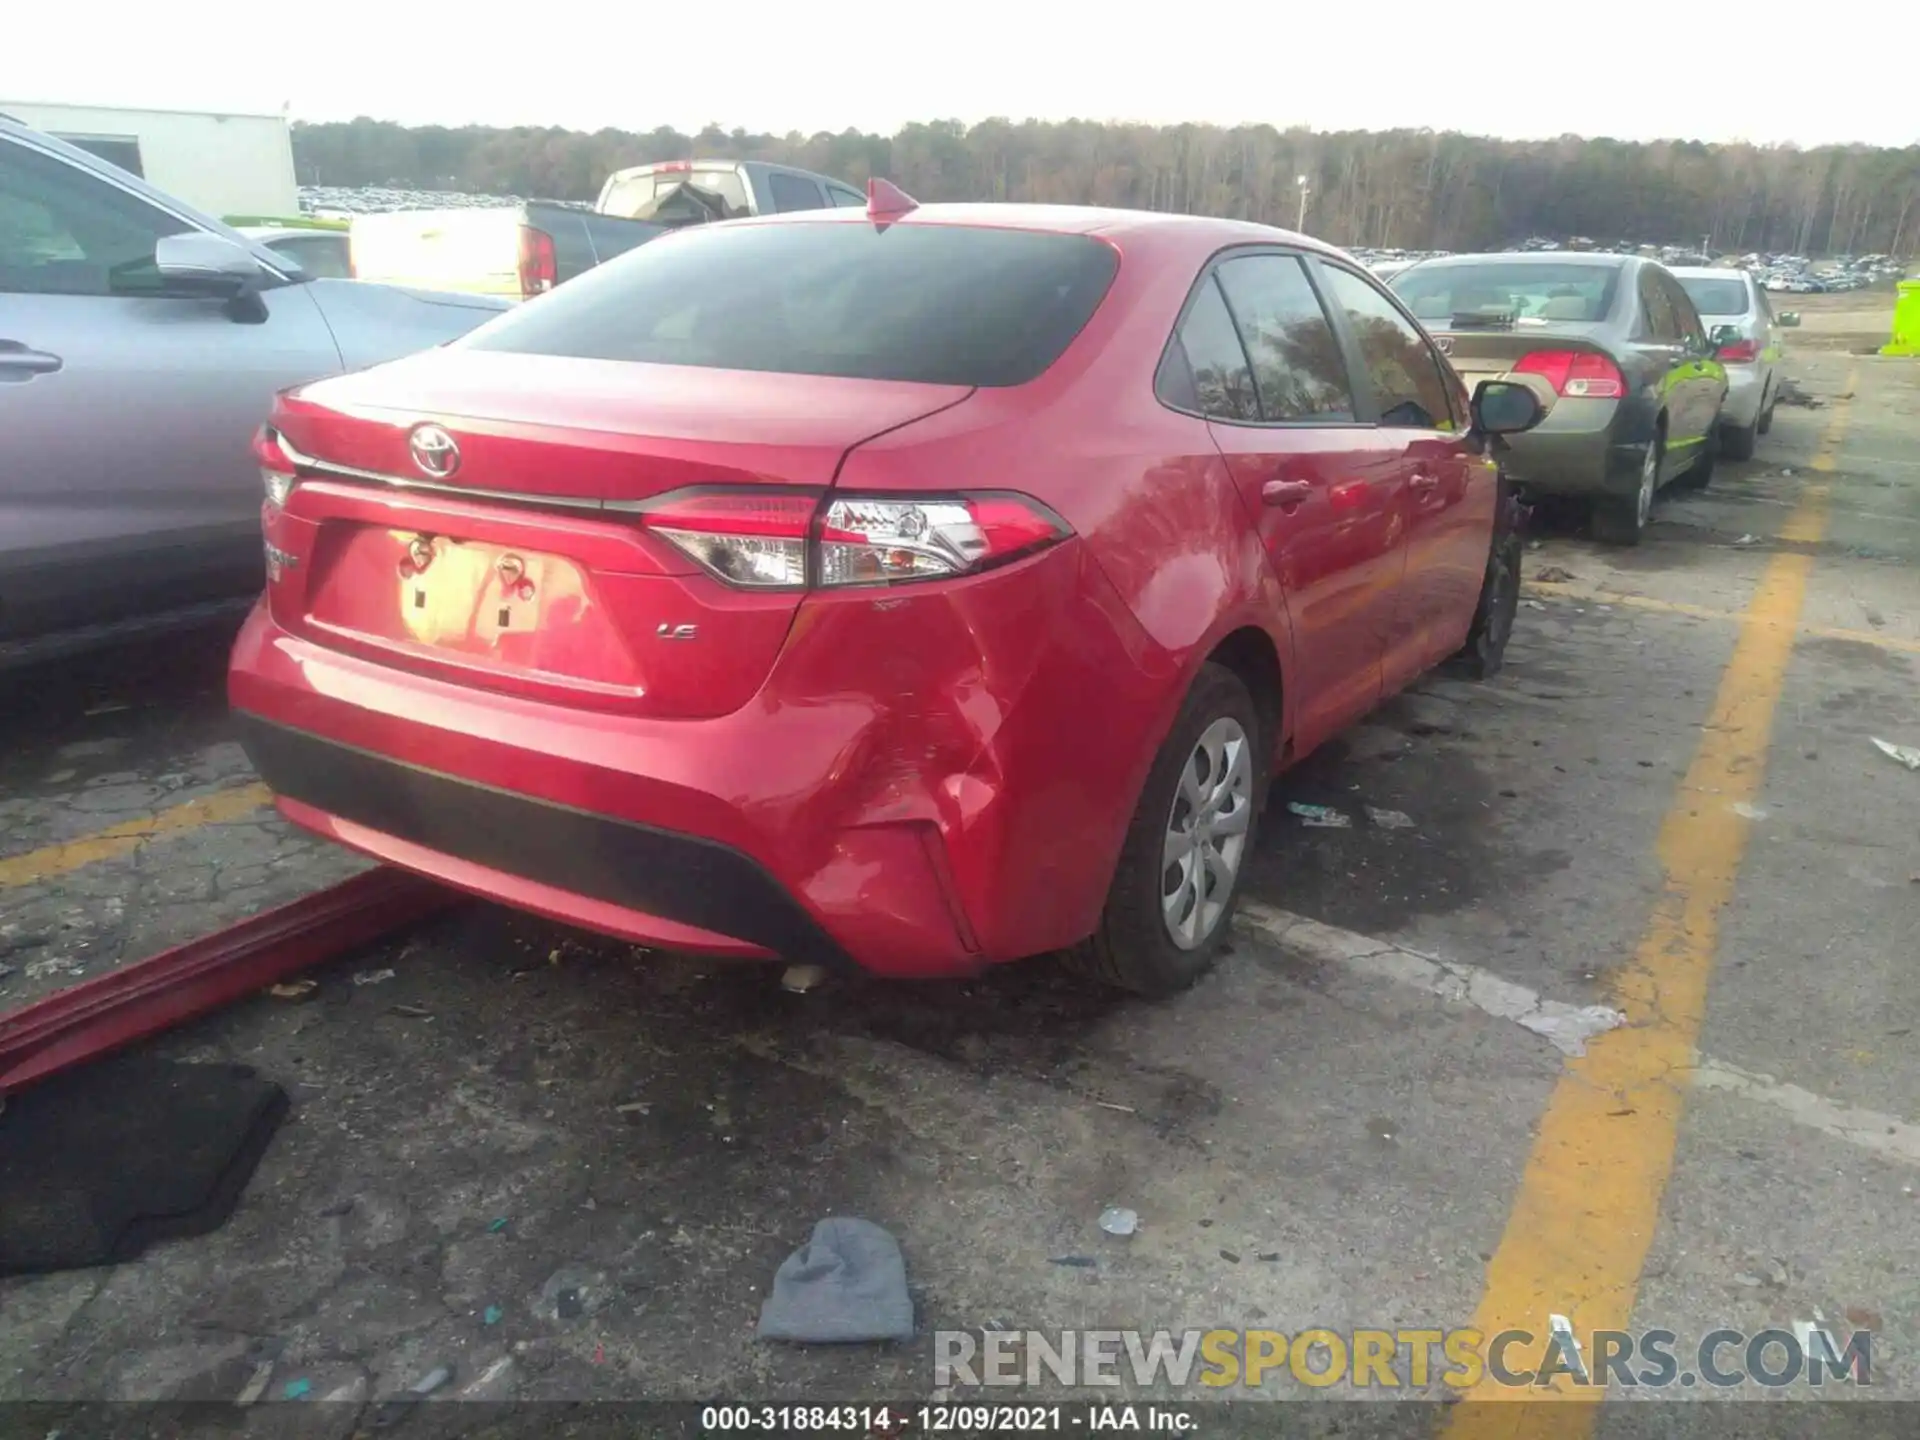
(516, 252)
(513, 252)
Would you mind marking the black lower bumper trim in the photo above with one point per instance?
(677, 877)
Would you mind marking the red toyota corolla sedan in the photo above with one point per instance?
(914, 588)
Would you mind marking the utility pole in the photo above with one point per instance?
(1300, 221)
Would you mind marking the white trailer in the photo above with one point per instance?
(222, 163)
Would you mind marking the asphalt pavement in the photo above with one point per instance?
(1662, 837)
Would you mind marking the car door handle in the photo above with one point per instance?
(1285, 492)
(16, 360)
(1423, 481)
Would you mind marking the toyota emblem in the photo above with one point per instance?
(434, 451)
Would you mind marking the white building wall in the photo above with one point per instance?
(222, 164)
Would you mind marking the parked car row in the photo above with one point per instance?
(1658, 371)
(745, 593)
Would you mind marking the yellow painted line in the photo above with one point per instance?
(128, 836)
(1589, 1200)
(1706, 612)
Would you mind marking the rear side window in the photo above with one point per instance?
(1205, 369)
(1407, 380)
(1299, 371)
(1685, 316)
(937, 304)
(1715, 297)
(846, 199)
(1662, 323)
(790, 192)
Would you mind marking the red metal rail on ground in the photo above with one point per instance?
(101, 1015)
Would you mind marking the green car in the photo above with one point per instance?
(1636, 372)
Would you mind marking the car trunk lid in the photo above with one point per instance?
(479, 516)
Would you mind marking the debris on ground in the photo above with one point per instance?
(1569, 1027)
(1075, 1262)
(1389, 819)
(1747, 539)
(411, 1012)
(256, 1385)
(1553, 575)
(296, 1389)
(634, 1107)
(1120, 1221)
(1320, 817)
(1907, 755)
(490, 1315)
(294, 990)
(1111, 1105)
(1749, 812)
(1230, 1257)
(799, 979)
(373, 977)
(393, 1410)
(847, 1284)
(1534, 604)
(496, 1226)
(54, 965)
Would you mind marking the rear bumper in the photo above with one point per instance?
(913, 790)
(702, 896)
(1746, 387)
(1577, 450)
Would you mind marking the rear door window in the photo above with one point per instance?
(791, 192)
(940, 304)
(1299, 369)
(1408, 384)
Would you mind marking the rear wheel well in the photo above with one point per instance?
(1248, 652)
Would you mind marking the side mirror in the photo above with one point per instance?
(211, 265)
(1507, 407)
(1789, 319)
(1721, 336)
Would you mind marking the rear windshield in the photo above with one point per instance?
(1716, 297)
(939, 304)
(1497, 293)
(643, 197)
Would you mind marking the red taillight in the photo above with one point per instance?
(1575, 374)
(770, 539)
(538, 272)
(277, 475)
(1740, 351)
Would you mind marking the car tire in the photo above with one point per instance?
(1765, 422)
(1165, 922)
(1486, 648)
(1737, 441)
(1624, 521)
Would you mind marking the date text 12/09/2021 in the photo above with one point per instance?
(887, 1420)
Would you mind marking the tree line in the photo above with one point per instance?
(1405, 189)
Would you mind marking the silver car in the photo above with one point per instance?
(1752, 355)
(141, 344)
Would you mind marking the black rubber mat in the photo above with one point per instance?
(100, 1163)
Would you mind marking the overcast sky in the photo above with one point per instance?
(1762, 70)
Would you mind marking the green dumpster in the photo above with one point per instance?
(1906, 321)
